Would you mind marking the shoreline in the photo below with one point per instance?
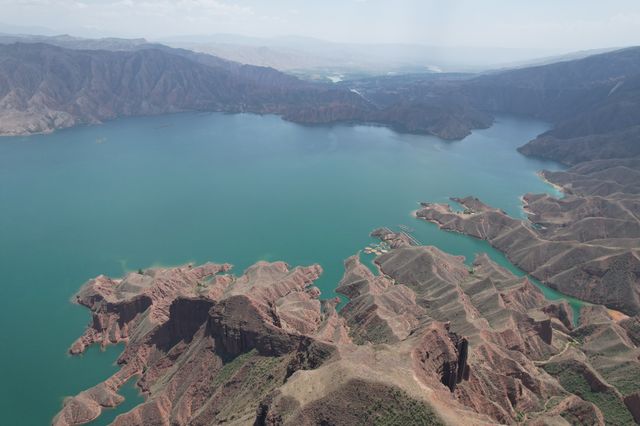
(534, 280)
(394, 127)
(555, 186)
(614, 314)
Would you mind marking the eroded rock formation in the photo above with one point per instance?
(427, 340)
(207, 347)
(586, 244)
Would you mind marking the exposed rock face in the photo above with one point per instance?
(178, 323)
(586, 244)
(604, 369)
(427, 341)
(207, 346)
(496, 312)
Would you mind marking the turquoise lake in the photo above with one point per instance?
(167, 190)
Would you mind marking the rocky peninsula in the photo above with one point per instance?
(586, 244)
(426, 340)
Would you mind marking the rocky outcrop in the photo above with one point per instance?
(375, 381)
(499, 327)
(597, 372)
(427, 340)
(207, 346)
(585, 244)
(172, 316)
(497, 369)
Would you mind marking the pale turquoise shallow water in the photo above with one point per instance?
(210, 187)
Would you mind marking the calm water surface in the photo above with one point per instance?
(210, 187)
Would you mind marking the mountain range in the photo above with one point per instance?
(426, 340)
(585, 99)
(45, 87)
(79, 81)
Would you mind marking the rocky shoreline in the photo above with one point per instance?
(586, 244)
(427, 340)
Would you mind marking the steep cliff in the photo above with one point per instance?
(45, 87)
(427, 341)
(585, 245)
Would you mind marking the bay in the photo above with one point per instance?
(193, 187)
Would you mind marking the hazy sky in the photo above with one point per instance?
(563, 24)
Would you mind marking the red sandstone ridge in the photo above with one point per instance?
(586, 244)
(427, 341)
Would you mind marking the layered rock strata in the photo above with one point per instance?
(586, 244)
(427, 340)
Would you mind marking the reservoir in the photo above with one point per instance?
(166, 190)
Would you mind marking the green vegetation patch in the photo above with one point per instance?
(246, 379)
(374, 333)
(584, 331)
(396, 408)
(573, 379)
(624, 376)
(232, 367)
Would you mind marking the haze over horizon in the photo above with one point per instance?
(305, 212)
(545, 25)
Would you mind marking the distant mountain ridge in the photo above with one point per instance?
(306, 54)
(71, 42)
(45, 87)
(586, 243)
(593, 102)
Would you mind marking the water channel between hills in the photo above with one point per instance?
(167, 190)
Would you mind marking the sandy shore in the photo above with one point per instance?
(555, 186)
